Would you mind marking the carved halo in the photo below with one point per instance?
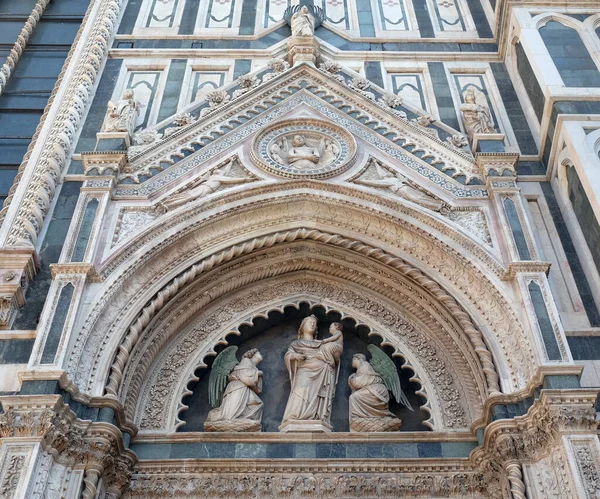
(334, 149)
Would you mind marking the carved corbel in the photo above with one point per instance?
(18, 266)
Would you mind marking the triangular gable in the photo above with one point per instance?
(263, 96)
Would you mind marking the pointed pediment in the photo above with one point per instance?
(236, 113)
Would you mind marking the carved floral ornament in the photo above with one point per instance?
(218, 319)
(219, 325)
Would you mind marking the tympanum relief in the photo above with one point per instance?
(313, 366)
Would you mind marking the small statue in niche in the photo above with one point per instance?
(399, 185)
(313, 366)
(304, 153)
(371, 385)
(234, 390)
(303, 23)
(121, 115)
(204, 185)
(476, 115)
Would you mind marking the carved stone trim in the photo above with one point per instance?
(71, 441)
(345, 216)
(17, 50)
(181, 281)
(45, 173)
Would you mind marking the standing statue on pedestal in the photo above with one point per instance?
(233, 391)
(370, 398)
(313, 366)
(476, 116)
(121, 115)
(303, 23)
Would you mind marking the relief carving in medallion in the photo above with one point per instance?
(304, 149)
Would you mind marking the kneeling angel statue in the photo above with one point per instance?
(233, 392)
(370, 398)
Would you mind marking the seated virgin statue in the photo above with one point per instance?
(239, 406)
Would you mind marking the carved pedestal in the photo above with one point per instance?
(310, 426)
(303, 49)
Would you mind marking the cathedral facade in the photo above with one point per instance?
(299, 249)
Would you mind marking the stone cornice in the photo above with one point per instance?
(70, 440)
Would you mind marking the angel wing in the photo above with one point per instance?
(387, 370)
(219, 374)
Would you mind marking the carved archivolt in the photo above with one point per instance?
(448, 357)
(224, 236)
(455, 397)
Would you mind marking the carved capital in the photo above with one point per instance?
(531, 437)
(70, 440)
(496, 164)
(302, 49)
(104, 163)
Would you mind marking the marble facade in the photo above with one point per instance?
(394, 172)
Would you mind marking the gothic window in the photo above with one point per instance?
(336, 12)
(220, 16)
(410, 87)
(205, 81)
(163, 14)
(448, 15)
(570, 55)
(274, 10)
(584, 213)
(393, 15)
(145, 86)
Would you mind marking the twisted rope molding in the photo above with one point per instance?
(169, 291)
(47, 170)
(17, 50)
(515, 478)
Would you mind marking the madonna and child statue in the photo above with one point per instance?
(313, 366)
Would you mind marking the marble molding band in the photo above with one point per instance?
(25, 227)
(17, 50)
(168, 292)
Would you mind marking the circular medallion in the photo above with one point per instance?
(304, 148)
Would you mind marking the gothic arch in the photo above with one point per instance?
(175, 344)
(405, 235)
